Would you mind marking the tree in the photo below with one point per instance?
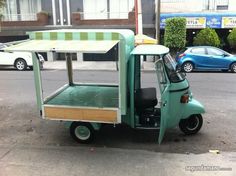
(232, 39)
(2, 3)
(175, 33)
(207, 37)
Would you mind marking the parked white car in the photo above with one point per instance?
(20, 60)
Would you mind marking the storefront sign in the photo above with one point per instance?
(213, 22)
(228, 22)
(200, 22)
(195, 22)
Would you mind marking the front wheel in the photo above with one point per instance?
(82, 132)
(191, 125)
(233, 68)
(187, 67)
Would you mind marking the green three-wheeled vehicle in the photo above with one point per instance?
(85, 107)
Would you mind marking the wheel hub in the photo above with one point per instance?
(193, 123)
(188, 67)
(82, 132)
(20, 65)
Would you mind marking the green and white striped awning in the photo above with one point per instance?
(64, 46)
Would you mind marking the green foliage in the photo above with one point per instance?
(207, 37)
(232, 39)
(175, 33)
(2, 3)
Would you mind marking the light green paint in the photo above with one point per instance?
(37, 81)
(61, 36)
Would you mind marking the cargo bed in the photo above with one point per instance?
(98, 103)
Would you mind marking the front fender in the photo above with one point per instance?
(192, 107)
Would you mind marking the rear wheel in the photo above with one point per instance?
(187, 67)
(233, 67)
(82, 132)
(191, 125)
(20, 64)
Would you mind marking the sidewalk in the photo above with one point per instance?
(90, 161)
(89, 65)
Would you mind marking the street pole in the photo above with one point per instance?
(138, 16)
(158, 11)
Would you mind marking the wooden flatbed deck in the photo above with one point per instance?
(85, 103)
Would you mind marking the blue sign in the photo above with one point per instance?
(162, 22)
(213, 21)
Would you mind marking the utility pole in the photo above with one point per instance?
(158, 12)
(138, 16)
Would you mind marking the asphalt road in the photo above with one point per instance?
(21, 125)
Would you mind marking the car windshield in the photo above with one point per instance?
(172, 73)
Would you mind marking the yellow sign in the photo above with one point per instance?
(228, 22)
(196, 22)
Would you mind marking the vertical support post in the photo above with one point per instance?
(68, 11)
(61, 12)
(158, 11)
(79, 56)
(54, 13)
(69, 68)
(138, 16)
(37, 81)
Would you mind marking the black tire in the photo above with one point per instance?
(191, 125)
(20, 64)
(187, 67)
(233, 67)
(82, 132)
(31, 67)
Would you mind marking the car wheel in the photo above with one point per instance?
(233, 68)
(191, 125)
(20, 64)
(82, 132)
(187, 67)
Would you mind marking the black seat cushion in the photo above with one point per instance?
(145, 98)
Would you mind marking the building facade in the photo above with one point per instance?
(20, 16)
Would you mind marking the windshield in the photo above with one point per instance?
(170, 65)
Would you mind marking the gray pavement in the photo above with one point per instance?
(77, 161)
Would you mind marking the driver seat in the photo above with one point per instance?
(145, 98)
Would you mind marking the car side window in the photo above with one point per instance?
(198, 51)
(215, 52)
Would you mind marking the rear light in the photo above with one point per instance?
(184, 98)
(181, 55)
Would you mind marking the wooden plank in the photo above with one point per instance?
(64, 113)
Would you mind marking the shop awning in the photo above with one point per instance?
(150, 50)
(64, 46)
(143, 39)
